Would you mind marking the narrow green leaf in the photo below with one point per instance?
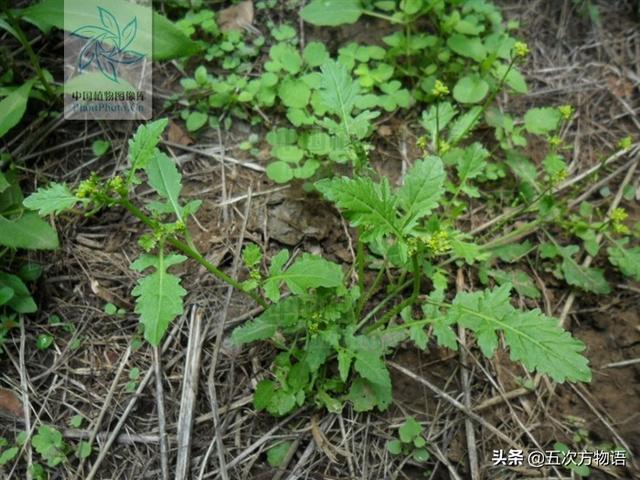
(28, 231)
(13, 107)
(166, 180)
(167, 40)
(472, 162)
(21, 301)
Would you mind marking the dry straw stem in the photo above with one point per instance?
(190, 380)
(129, 408)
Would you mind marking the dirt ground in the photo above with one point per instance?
(593, 66)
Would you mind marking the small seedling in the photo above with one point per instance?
(410, 441)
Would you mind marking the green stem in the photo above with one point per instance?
(27, 46)
(382, 16)
(416, 323)
(360, 263)
(436, 146)
(490, 100)
(382, 304)
(417, 279)
(376, 283)
(190, 252)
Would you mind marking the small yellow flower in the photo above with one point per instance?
(521, 49)
(566, 111)
(625, 143)
(422, 142)
(412, 246)
(555, 141)
(88, 188)
(439, 242)
(116, 185)
(619, 215)
(443, 147)
(440, 90)
(559, 177)
(621, 229)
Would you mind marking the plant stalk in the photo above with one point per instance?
(190, 252)
(27, 46)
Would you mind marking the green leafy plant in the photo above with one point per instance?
(410, 441)
(49, 444)
(22, 229)
(464, 43)
(332, 335)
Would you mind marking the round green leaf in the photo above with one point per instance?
(330, 13)
(44, 341)
(307, 170)
(541, 120)
(100, 147)
(319, 143)
(470, 89)
(315, 54)
(196, 120)
(467, 47)
(421, 455)
(279, 172)
(288, 153)
(294, 93)
(394, 447)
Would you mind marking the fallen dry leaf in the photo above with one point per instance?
(10, 403)
(322, 442)
(176, 134)
(236, 17)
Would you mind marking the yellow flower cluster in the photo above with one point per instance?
(566, 111)
(440, 90)
(521, 49)
(625, 143)
(618, 216)
(439, 242)
(443, 147)
(88, 187)
(555, 141)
